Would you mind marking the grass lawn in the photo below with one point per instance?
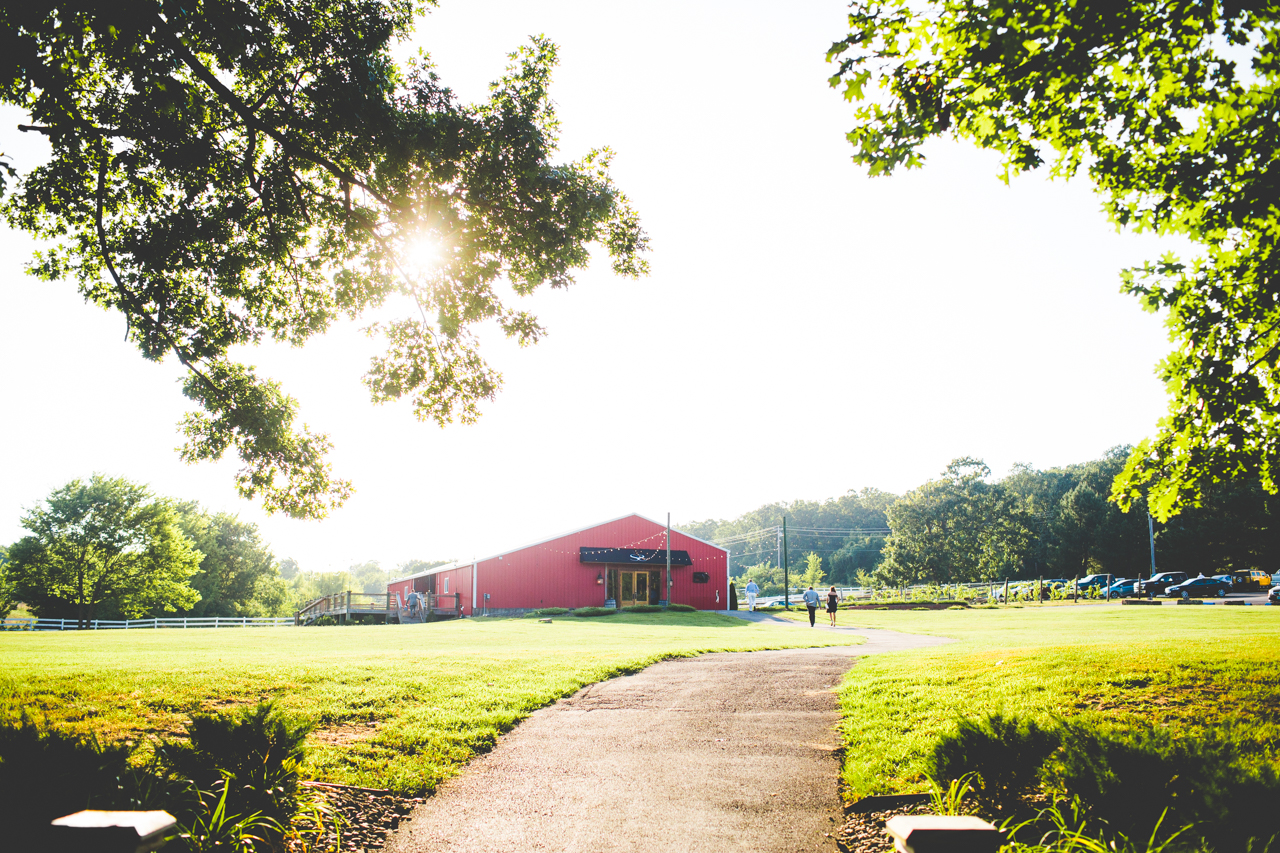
(1179, 667)
(400, 707)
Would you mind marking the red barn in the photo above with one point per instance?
(618, 563)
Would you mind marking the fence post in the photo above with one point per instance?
(215, 621)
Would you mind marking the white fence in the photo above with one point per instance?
(32, 624)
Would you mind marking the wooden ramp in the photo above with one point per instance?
(342, 606)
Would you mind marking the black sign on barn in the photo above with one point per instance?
(633, 556)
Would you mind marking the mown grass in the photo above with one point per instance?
(1176, 667)
(400, 707)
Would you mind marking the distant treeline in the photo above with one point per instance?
(963, 527)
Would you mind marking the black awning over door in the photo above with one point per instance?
(633, 556)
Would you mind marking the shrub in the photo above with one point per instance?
(643, 608)
(247, 760)
(46, 774)
(733, 596)
(1004, 756)
(594, 611)
(688, 608)
(548, 611)
(1128, 779)
(1138, 784)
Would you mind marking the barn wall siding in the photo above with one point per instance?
(549, 574)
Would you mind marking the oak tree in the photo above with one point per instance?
(958, 528)
(228, 172)
(1169, 107)
(238, 575)
(103, 540)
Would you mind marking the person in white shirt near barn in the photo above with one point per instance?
(752, 592)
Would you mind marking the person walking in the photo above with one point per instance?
(752, 592)
(811, 602)
(833, 599)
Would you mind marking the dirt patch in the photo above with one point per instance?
(344, 735)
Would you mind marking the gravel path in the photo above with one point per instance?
(720, 752)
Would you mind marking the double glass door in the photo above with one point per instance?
(637, 587)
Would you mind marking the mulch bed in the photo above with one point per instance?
(366, 816)
(864, 833)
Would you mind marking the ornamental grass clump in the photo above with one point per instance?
(1001, 758)
(1123, 787)
(45, 774)
(245, 764)
(231, 786)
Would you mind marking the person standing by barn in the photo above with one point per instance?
(811, 602)
(752, 592)
(833, 600)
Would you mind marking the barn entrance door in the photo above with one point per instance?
(637, 587)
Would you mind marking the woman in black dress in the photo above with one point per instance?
(833, 598)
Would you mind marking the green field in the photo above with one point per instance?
(398, 707)
(1180, 667)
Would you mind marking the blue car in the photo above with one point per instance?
(1125, 587)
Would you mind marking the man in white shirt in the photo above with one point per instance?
(752, 592)
(811, 602)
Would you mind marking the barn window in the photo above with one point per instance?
(701, 577)
(446, 586)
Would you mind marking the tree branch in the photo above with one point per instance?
(250, 118)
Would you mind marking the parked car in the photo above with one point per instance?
(1125, 587)
(1273, 597)
(1099, 581)
(1161, 582)
(1259, 579)
(1201, 587)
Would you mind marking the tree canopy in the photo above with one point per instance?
(224, 173)
(1169, 109)
(956, 528)
(7, 589)
(104, 540)
(238, 575)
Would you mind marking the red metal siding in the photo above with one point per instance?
(403, 588)
(550, 575)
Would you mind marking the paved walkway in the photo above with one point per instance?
(720, 752)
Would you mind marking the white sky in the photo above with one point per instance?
(810, 330)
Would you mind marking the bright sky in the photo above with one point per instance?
(806, 330)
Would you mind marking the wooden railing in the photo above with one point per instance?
(442, 604)
(343, 603)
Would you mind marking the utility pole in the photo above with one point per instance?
(1151, 537)
(669, 582)
(786, 580)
